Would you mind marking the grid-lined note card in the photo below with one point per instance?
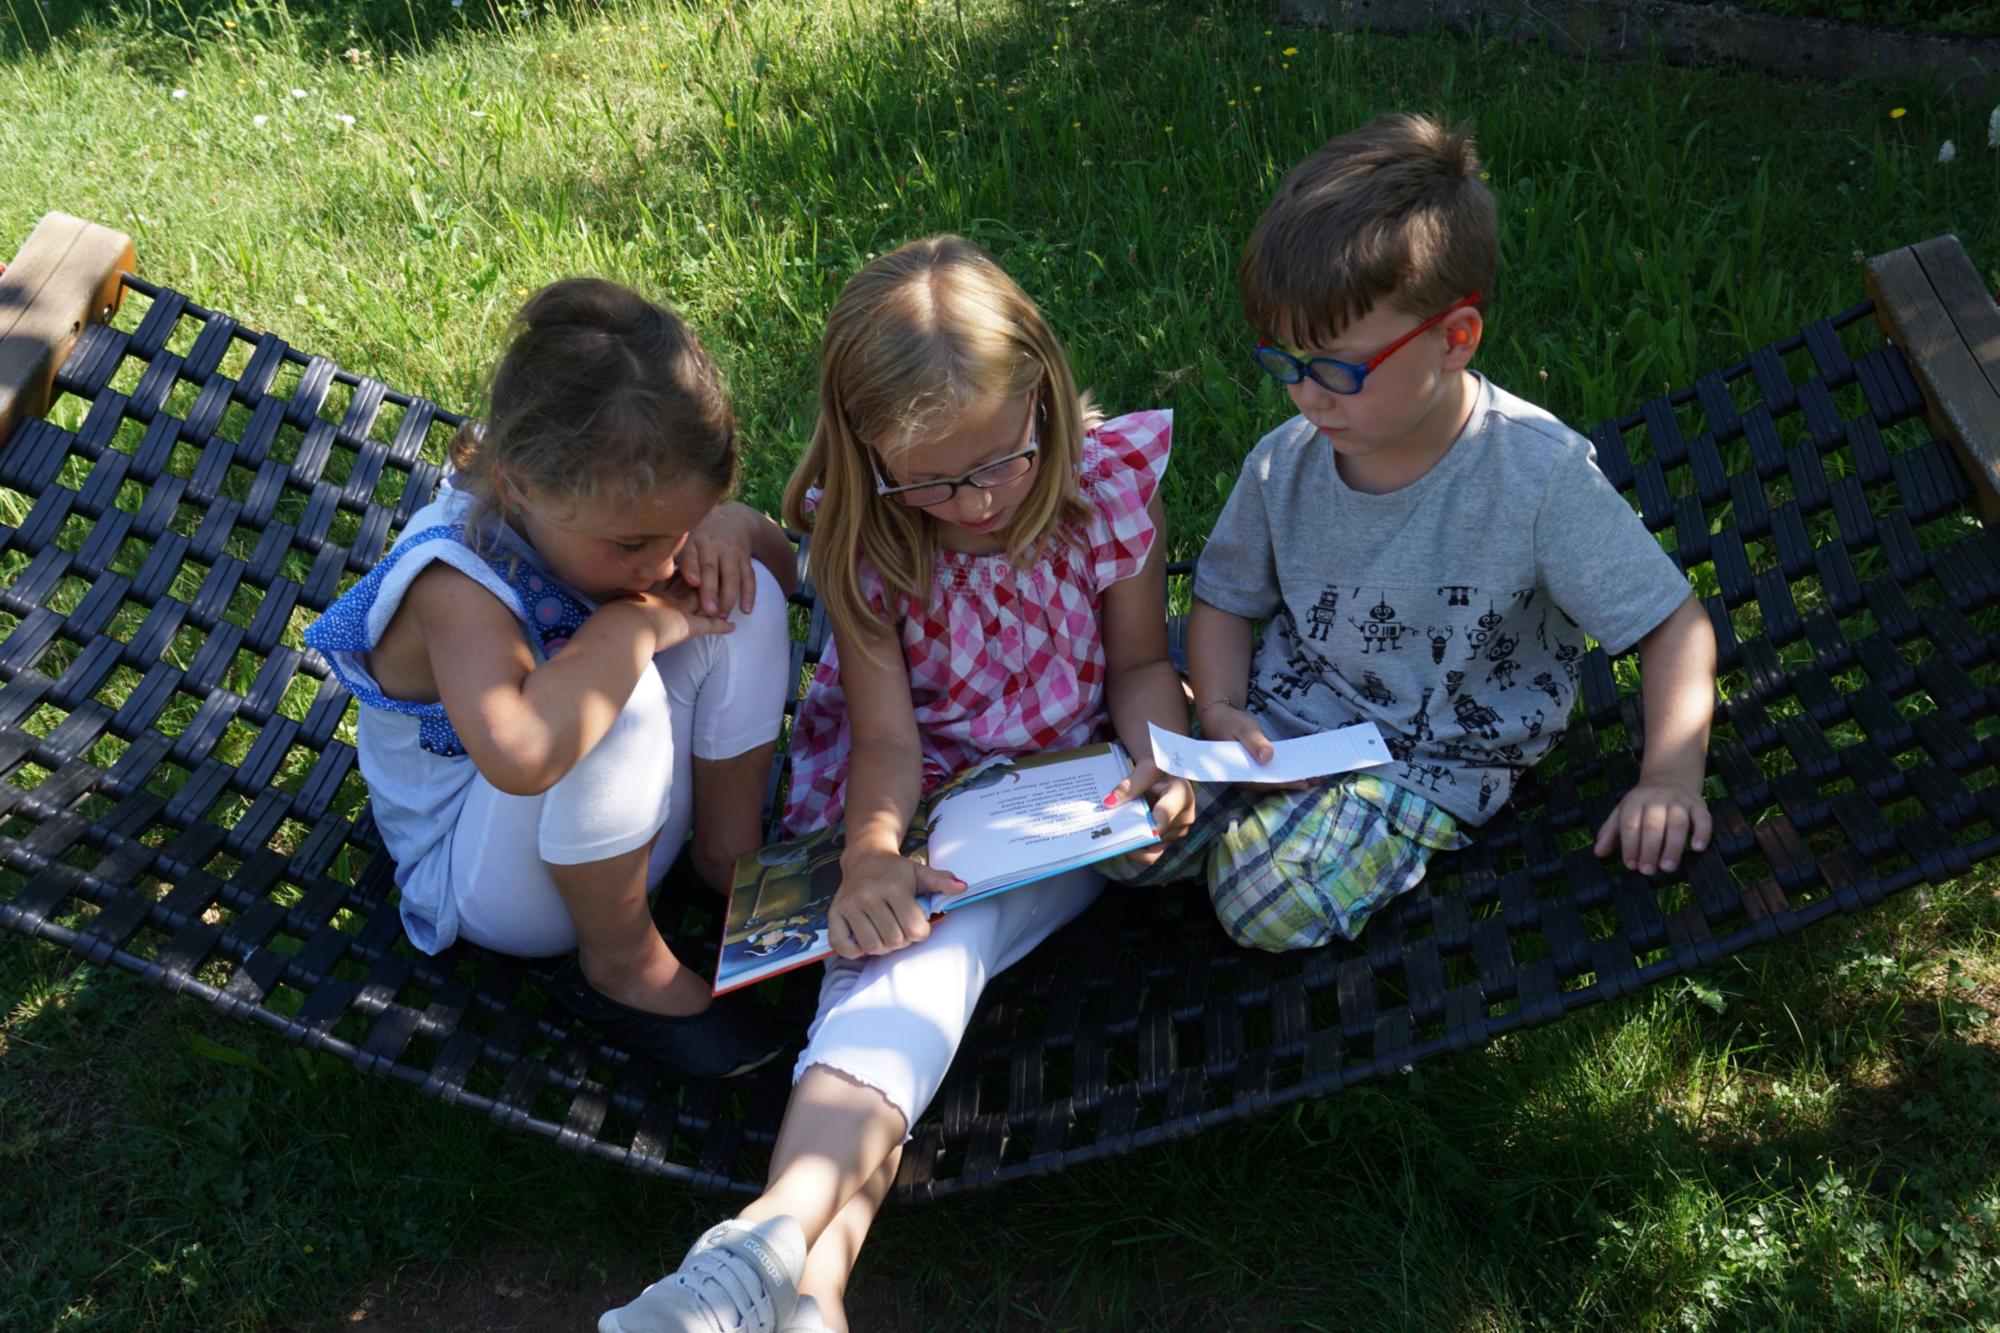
(1315, 756)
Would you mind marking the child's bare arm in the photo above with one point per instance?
(525, 725)
(1219, 659)
(1219, 645)
(875, 910)
(1665, 813)
(1142, 687)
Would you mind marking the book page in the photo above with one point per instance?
(996, 825)
(1027, 820)
(1301, 759)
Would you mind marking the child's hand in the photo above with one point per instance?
(1172, 800)
(671, 614)
(1653, 823)
(1222, 721)
(716, 559)
(875, 910)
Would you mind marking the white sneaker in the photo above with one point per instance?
(740, 1277)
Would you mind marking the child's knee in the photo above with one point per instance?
(1273, 910)
(767, 619)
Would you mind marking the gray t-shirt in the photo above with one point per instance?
(1451, 613)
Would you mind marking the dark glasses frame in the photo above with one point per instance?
(1285, 368)
(906, 495)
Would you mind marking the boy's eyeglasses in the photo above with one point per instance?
(927, 493)
(1340, 376)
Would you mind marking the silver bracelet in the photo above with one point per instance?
(1219, 699)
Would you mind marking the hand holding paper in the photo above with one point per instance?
(1307, 757)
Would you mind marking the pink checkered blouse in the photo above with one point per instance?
(1003, 660)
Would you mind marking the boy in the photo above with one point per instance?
(1427, 552)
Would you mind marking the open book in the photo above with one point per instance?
(997, 826)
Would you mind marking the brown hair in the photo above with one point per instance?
(601, 395)
(915, 339)
(1394, 211)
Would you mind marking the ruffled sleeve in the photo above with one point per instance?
(1123, 461)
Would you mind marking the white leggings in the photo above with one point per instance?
(894, 1023)
(713, 697)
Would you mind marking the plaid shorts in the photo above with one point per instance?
(1293, 869)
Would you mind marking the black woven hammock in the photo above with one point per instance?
(182, 798)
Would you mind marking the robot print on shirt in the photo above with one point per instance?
(1476, 717)
(1381, 632)
(1374, 691)
(1457, 594)
(1425, 777)
(1487, 786)
(1321, 616)
(1500, 652)
(1439, 635)
(1481, 633)
(1546, 683)
(1452, 680)
(1420, 724)
(1567, 655)
(1286, 685)
(1533, 724)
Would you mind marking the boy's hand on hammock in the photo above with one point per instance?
(1172, 800)
(1655, 821)
(875, 911)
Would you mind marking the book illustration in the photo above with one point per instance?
(998, 825)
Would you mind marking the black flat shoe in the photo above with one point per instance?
(734, 1035)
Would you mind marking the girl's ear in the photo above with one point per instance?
(506, 494)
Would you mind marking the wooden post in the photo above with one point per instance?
(65, 275)
(1930, 301)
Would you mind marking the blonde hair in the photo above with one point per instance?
(915, 340)
(1394, 211)
(601, 395)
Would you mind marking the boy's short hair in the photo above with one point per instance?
(1392, 211)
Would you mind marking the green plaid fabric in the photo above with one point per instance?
(1293, 869)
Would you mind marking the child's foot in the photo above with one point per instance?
(734, 1035)
(652, 981)
(740, 1277)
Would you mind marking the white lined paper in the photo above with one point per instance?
(1339, 751)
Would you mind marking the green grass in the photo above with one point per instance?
(1803, 1140)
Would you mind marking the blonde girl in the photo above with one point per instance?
(990, 555)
